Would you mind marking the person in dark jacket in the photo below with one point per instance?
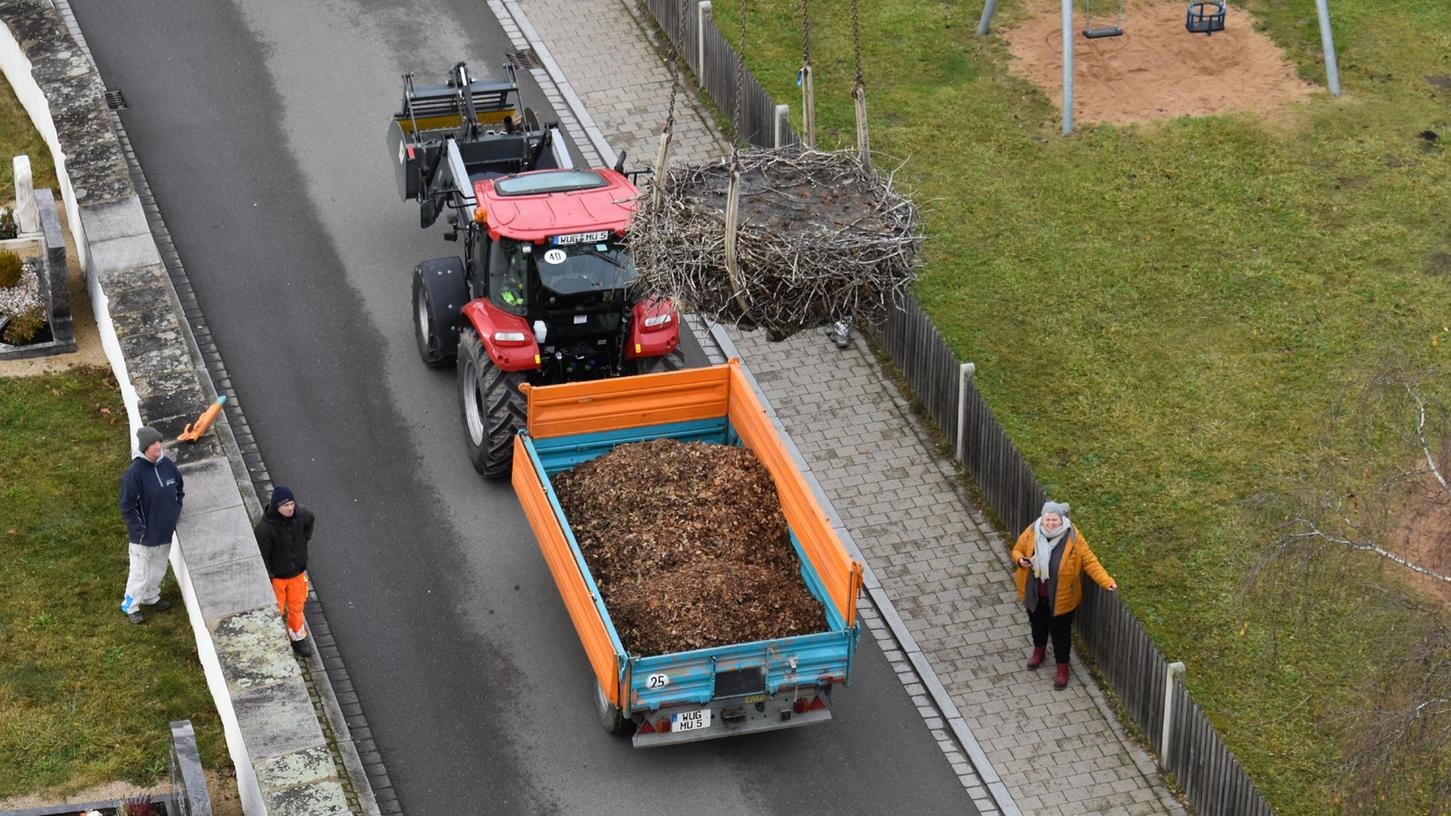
(151, 495)
(282, 537)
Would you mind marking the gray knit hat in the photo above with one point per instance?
(1061, 508)
(145, 436)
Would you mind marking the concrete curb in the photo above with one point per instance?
(953, 718)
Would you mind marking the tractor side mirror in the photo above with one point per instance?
(620, 163)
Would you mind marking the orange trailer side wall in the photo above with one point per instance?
(654, 399)
(572, 587)
(839, 574)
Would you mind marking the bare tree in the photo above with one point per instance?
(1389, 503)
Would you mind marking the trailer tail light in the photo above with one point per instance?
(663, 726)
(645, 727)
(510, 338)
(799, 706)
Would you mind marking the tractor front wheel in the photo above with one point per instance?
(425, 333)
(492, 406)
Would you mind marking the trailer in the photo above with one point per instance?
(707, 693)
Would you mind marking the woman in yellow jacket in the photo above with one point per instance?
(1052, 556)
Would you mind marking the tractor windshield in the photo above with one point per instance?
(572, 269)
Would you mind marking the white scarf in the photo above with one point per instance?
(1044, 546)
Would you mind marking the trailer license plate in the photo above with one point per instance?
(690, 720)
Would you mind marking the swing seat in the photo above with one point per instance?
(1205, 17)
(1103, 31)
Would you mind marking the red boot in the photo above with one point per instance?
(1060, 680)
(1037, 659)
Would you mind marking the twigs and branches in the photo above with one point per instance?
(819, 238)
(1351, 521)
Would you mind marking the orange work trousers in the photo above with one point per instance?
(291, 595)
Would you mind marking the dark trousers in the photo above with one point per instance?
(1045, 623)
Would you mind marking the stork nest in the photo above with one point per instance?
(820, 238)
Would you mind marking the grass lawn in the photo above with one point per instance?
(85, 697)
(1164, 315)
(17, 137)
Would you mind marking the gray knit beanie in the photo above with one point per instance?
(1061, 508)
(145, 436)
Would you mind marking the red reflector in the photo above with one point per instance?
(818, 704)
(646, 727)
(798, 706)
(410, 151)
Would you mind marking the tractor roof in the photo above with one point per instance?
(534, 206)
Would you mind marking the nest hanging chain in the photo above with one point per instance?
(667, 132)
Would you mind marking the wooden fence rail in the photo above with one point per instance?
(1213, 780)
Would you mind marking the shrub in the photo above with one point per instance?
(8, 227)
(10, 266)
(23, 327)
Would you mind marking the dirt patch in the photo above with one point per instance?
(688, 545)
(1438, 263)
(1425, 536)
(1157, 70)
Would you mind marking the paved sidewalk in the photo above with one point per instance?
(949, 577)
(940, 562)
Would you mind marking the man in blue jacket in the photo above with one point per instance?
(151, 494)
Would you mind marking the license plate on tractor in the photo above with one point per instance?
(690, 720)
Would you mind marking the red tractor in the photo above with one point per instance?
(546, 291)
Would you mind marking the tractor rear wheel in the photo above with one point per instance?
(425, 333)
(674, 361)
(493, 408)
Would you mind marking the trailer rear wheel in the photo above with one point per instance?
(493, 408)
(610, 717)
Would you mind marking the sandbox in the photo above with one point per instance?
(1156, 70)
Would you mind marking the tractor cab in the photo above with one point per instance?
(546, 254)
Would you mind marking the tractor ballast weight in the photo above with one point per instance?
(546, 291)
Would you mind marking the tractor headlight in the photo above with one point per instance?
(658, 321)
(513, 338)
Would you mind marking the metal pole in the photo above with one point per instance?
(964, 374)
(1327, 42)
(1067, 67)
(1176, 669)
(987, 17)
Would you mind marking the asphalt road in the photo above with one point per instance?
(260, 125)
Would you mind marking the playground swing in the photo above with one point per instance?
(1205, 17)
(1093, 32)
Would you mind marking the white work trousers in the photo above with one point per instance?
(143, 582)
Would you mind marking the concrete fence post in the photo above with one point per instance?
(702, 14)
(1176, 669)
(964, 375)
(783, 118)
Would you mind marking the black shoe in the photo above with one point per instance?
(161, 605)
(135, 617)
(303, 647)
